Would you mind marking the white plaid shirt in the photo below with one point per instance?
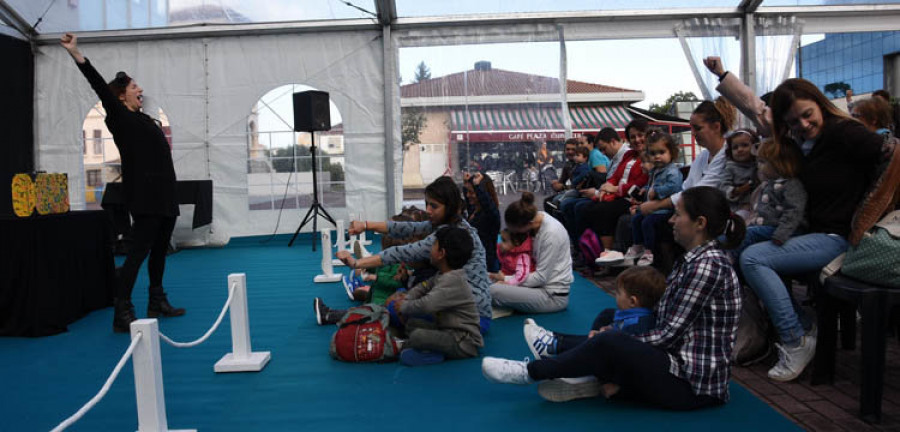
(697, 319)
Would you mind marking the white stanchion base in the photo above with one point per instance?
(255, 363)
(178, 430)
(337, 262)
(325, 278)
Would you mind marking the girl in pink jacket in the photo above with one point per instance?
(516, 259)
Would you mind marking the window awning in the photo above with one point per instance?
(544, 119)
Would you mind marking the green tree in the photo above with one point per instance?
(677, 97)
(837, 89)
(282, 161)
(412, 121)
(423, 72)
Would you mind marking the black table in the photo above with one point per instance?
(196, 192)
(54, 269)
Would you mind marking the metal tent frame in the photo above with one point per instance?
(399, 32)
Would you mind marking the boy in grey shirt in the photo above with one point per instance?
(440, 315)
(453, 332)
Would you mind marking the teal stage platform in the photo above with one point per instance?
(47, 379)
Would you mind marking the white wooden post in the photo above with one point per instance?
(327, 270)
(241, 358)
(148, 380)
(340, 242)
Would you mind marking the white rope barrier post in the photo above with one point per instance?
(362, 235)
(241, 358)
(148, 380)
(327, 270)
(135, 338)
(354, 237)
(340, 242)
(359, 243)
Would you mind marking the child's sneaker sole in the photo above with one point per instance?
(319, 316)
(564, 390)
(348, 286)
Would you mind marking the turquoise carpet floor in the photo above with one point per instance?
(47, 379)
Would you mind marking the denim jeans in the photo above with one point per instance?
(643, 228)
(763, 262)
(572, 210)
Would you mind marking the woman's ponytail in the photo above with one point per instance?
(734, 231)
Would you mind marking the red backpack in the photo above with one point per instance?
(590, 245)
(363, 336)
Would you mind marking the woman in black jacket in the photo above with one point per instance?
(148, 179)
(484, 215)
(840, 158)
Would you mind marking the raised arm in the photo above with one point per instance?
(741, 96)
(70, 42)
(110, 103)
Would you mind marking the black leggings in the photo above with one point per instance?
(151, 236)
(640, 369)
(603, 216)
(565, 342)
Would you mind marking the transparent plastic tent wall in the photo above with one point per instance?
(207, 84)
(207, 87)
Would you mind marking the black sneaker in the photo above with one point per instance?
(321, 310)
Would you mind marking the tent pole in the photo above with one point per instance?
(389, 72)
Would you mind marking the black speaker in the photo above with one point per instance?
(311, 111)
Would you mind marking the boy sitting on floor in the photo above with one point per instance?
(638, 289)
(440, 316)
(387, 279)
(454, 331)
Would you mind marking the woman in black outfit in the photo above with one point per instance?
(148, 179)
(484, 215)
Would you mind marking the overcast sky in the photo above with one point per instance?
(657, 67)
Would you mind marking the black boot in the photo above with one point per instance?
(123, 316)
(159, 306)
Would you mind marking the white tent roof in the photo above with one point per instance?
(36, 17)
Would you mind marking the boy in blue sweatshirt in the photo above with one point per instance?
(638, 289)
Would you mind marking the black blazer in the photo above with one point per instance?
(837, 173)
(148, 174)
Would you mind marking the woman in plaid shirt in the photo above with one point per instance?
(685, 362)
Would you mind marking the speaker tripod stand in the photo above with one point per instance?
(315, 209)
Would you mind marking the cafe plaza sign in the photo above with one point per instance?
(516, 136)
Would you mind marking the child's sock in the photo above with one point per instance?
(415, 357)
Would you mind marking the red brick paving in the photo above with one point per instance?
(824, 407)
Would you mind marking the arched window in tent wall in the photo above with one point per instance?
(279, 163)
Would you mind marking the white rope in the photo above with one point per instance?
(208, 332)
(112, 377)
